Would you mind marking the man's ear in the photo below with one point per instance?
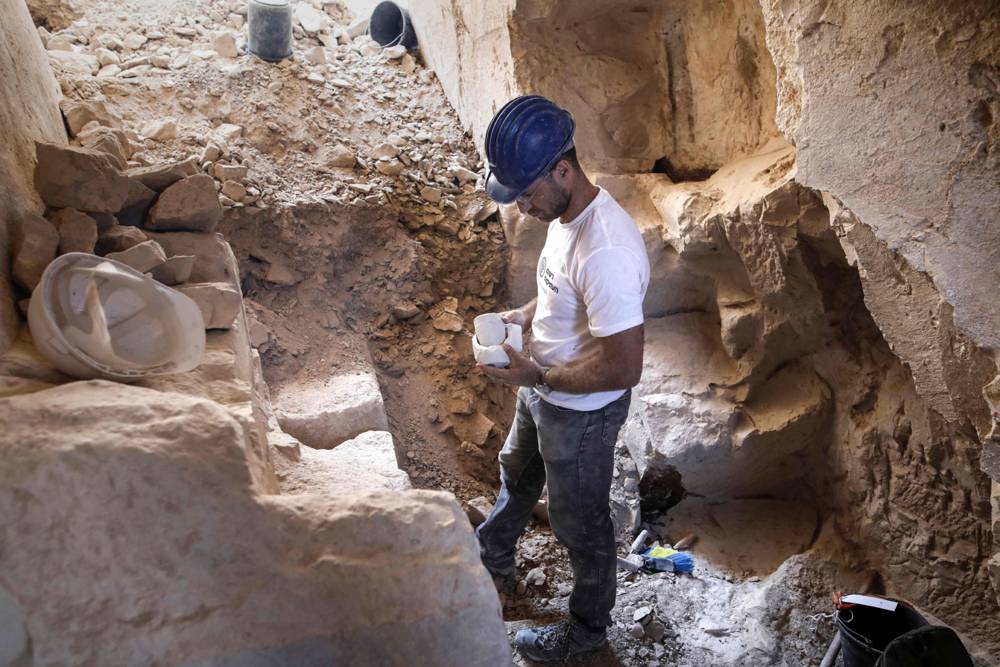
(563, 171)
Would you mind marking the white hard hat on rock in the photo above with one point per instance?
(97, 318)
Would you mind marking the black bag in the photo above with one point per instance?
(929, 646)
(873, 637)
(865, 631)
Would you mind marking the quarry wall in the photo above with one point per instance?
(24, 75)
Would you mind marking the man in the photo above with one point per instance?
(586, 354)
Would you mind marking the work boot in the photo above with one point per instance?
(558, 641)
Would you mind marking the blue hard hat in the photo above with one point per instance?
(523, 141)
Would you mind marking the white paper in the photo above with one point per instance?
(869, 601)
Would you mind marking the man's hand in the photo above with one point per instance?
(515, 316)
(522, 315)
(522, 372)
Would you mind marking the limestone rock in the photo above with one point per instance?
(720, 448)
(134, 41)
(325, 413)
(107, 57)
(56, 14)
(219, 302)
(338, 156)
(874, 173)
(224, 44)
(118, 238)
(293, 580)
(142, 256)
(160, 130)
(226, 133)
(391, 167)
(160, 176)
(408, 64)
(112, 142)
(77, 231)
(74, 63)
(229, 172)
(473, 428)
(384, 151)
(430, 194)
(78, 114)
(35, 243)
(311, 19)
(190, 204)
(80, 178)
(315, 56)
(234, 190)
(362, 464)
(175, 270)
(394, 52)
(447, 322)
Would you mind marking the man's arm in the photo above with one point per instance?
(615, 364)
(522, 315)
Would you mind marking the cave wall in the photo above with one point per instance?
(893, 109)
(662, 93)
(784, 387)
(468, 46)
(24, 75)
(835, 287)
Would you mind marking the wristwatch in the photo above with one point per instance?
(542, 386)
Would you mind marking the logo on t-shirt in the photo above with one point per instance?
(546, 275)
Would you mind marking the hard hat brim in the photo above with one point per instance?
(501, 193)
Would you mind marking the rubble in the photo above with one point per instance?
(189, 204)
(224, 44)
(158, 177)
(160, 130)
(117, 238)
(175, 270)
(36, 241)
(80, 178)
(311, 19)
(77, 231)
(219, 302)
(142, 257)
(80, 114)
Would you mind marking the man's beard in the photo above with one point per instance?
(555, 208)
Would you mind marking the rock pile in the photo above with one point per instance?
(93, 207)
(341, 121)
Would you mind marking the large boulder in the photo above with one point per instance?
(325, 413)
(362, 464)
(80, 178)
(133, 533)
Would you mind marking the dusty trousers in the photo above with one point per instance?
(574, 452)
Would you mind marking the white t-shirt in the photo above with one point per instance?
(592, 277)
